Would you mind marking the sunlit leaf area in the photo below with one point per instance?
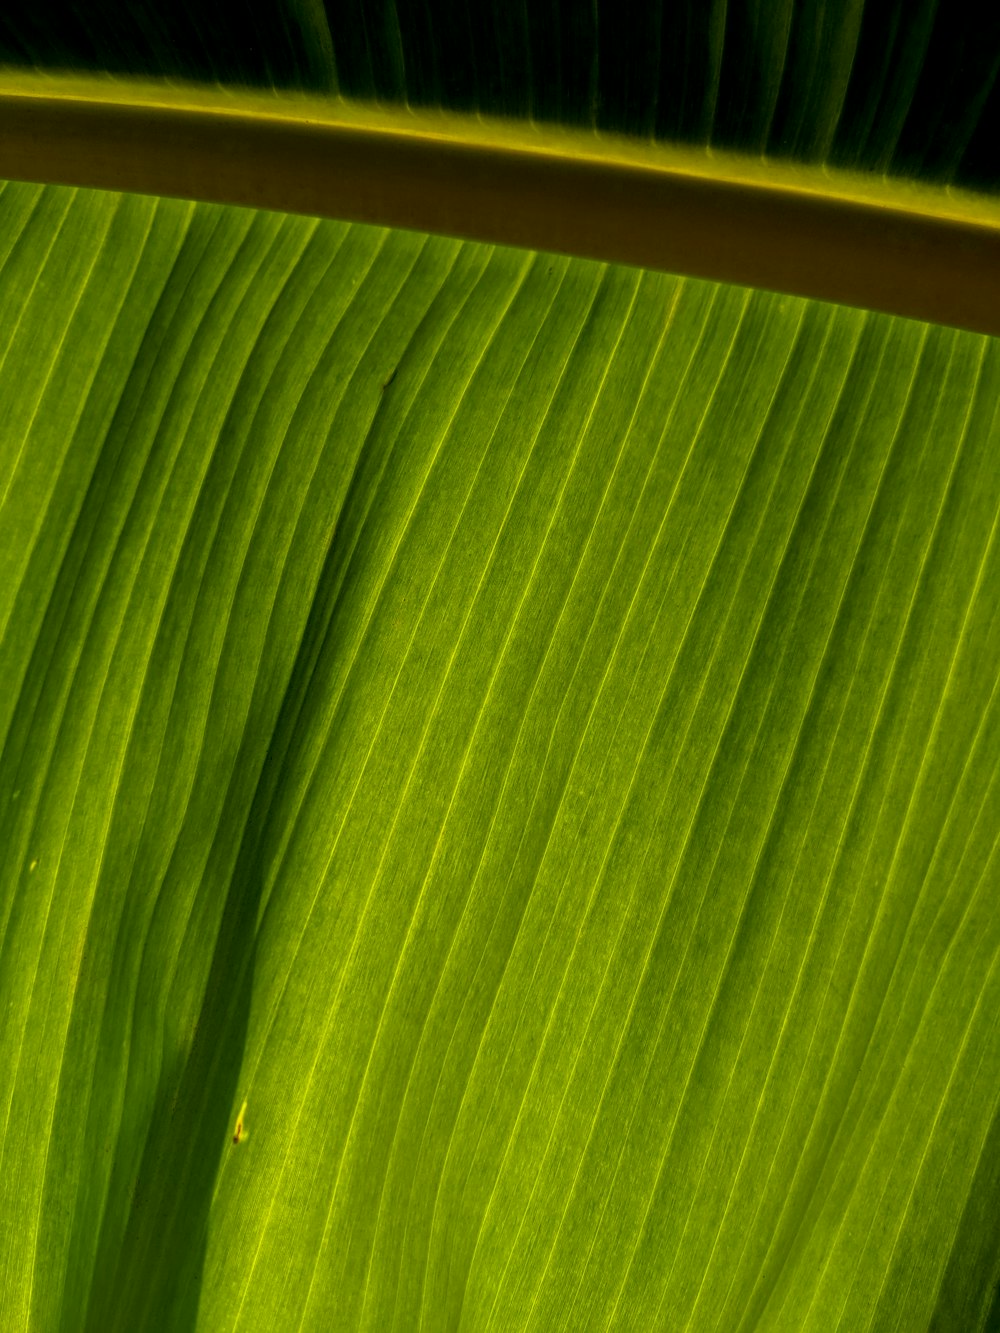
(499, 753)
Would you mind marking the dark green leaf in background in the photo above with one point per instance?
(906, 86)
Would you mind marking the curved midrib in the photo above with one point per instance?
(927, 254)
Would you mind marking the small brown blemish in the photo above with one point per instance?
(240, 1132)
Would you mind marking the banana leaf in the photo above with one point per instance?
(499, 750)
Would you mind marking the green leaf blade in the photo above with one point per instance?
(527, 729)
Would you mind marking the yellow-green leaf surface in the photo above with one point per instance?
(498, 792)
(499, 795)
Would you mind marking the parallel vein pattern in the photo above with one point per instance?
(526, 729)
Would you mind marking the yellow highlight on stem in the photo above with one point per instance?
(925, 252)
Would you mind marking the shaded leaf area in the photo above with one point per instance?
(270, 43)
(522, 736)
(906, 87)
